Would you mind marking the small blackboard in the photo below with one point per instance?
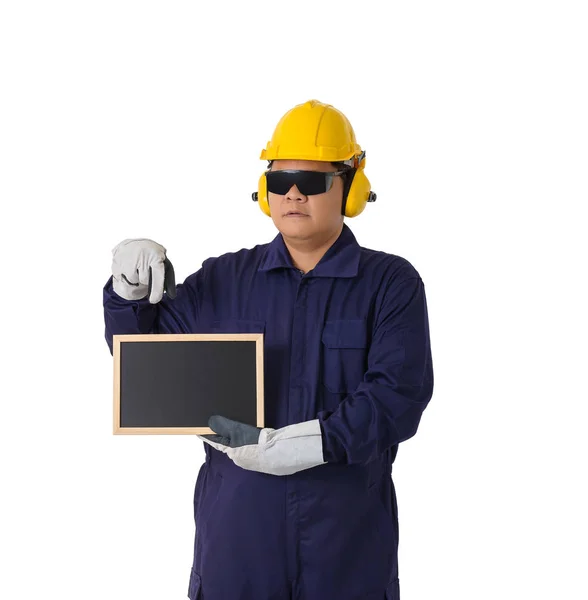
(173, 383)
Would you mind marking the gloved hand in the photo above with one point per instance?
(281, 451)
(140, 268)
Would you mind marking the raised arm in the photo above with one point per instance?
(134, 300)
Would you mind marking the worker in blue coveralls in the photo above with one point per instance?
(305, 508)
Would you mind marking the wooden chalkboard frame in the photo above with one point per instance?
(182, 337)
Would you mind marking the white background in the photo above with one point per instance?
(130, 119)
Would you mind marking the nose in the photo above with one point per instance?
(294, 194)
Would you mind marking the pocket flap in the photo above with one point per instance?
(350, 333)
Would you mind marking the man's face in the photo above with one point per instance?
(305, 217)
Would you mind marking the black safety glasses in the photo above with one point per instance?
(308, 182)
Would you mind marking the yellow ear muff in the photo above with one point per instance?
(359, 194)
(262, 195)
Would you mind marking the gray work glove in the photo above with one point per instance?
(281, 451)
(232, 433)
(140, 268)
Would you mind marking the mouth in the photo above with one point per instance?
(295, 213)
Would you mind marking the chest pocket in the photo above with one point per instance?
(345, 346)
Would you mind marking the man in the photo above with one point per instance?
(306, 508)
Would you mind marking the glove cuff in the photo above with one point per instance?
(293, 448)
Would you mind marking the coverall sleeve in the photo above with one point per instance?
(179, 315)
(387, 406)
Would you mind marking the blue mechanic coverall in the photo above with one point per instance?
(347, 343)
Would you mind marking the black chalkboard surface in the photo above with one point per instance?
(173, 383)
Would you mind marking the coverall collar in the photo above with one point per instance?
(340, 260)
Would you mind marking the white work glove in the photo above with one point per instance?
(140, 268)
(282, 451)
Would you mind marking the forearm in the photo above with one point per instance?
(126, 316)
(373, 419)
(387, 405)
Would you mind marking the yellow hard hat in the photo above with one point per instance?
(312, 131)
(318, 131)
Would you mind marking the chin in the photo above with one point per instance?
(296, 229)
